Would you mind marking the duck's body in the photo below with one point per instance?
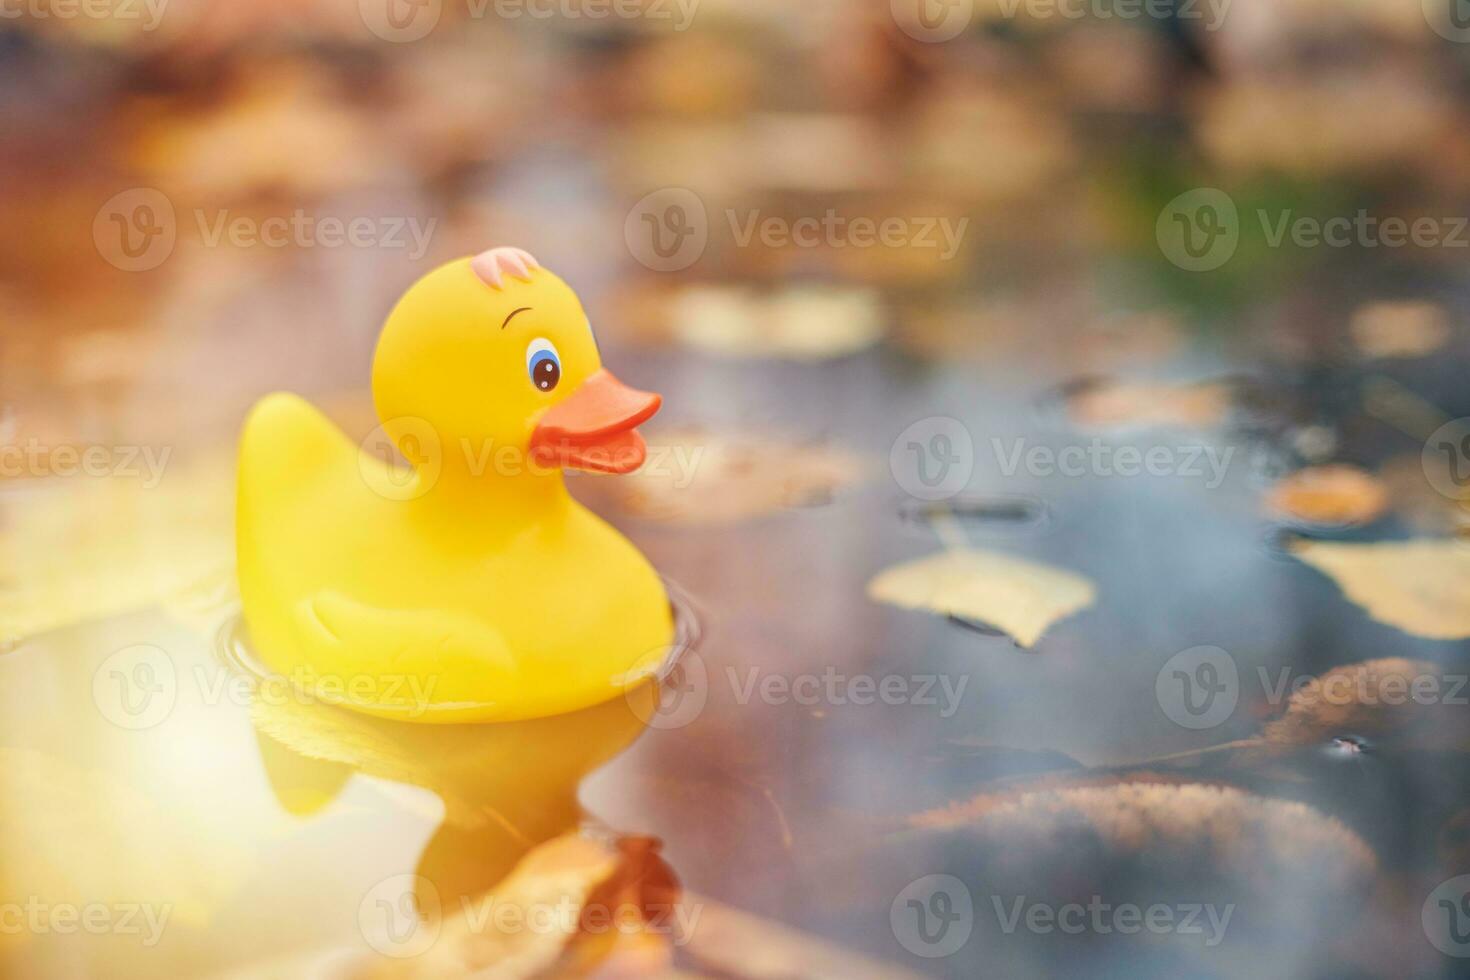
(467, 587)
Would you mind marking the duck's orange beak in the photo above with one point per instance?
(594, 429)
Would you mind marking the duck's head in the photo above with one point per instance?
(495, 351)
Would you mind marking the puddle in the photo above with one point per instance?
(172, 778)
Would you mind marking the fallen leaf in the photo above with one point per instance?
(1335, 494)
(1021, 597)
(1420, 586)
(1410, 328)
(81, 548)
(699, 477)
(1117, 404)
(802, 324)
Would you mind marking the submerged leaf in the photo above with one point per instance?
(1336, 494)
(1124, 404)
(1021, 597)
(1411, 328)
(1420, 586)
(803, 324)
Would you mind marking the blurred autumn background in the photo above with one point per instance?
(844, 238)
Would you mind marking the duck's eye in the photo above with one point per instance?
(543, 363)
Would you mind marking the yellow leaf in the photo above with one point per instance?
(1021, 597)
(1420, 586)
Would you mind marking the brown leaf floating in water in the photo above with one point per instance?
(1420, 586)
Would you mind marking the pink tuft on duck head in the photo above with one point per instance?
(493, 265)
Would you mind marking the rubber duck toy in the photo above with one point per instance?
(470, 586)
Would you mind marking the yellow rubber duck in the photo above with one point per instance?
(470, 586)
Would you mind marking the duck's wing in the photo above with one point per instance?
(286, 445)
(424, 655)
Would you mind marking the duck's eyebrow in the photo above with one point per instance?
(513, 313)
